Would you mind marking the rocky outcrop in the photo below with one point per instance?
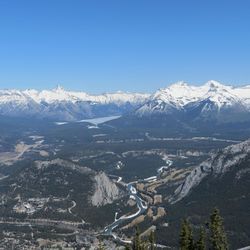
(106, 190)
(217, 165)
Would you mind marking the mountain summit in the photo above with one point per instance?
(60, 104)
(212, 100)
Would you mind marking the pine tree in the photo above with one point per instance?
(127, 247)
(152, 240)
(137, 240)
(100, 246)
(186, 236)
(190, 238)
(218, 239)
(201, 244)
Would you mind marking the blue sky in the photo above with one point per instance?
(132, 45)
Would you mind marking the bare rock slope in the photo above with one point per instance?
(217, 165)
(106, 191)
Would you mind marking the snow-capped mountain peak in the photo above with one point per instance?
(59, 94)
(61, 104)
(214, 84)
(59, 88)
(179, 84)
(210, 98)
(221, 95)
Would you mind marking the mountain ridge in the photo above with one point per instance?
(218, 164)
(59, 104)
(211, 101)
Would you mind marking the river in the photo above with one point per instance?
(141, 205)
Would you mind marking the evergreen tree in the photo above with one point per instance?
(190, 238)
(201, 244)
(186, 236)
(183, 236)
(137, 240)
(152, 240)
(218, 239)
(100, 246)
(127, 247)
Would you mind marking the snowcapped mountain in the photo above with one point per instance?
(60, 95)
(218, 103)
(160, 102)
(212, 100)
(59, 104)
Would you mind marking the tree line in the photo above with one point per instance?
(211, 237)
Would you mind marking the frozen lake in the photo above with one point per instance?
(100, 120)
(94, 121)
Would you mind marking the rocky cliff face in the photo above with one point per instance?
(216, 166)
(106, 191)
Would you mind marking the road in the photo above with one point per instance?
(70, 208)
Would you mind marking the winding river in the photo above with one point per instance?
(141, 205)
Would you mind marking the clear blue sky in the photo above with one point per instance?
(130, 45)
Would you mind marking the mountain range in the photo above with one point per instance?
(62, 105)
(74, 172)
(211, 101)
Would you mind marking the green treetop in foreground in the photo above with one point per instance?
(217, 239)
